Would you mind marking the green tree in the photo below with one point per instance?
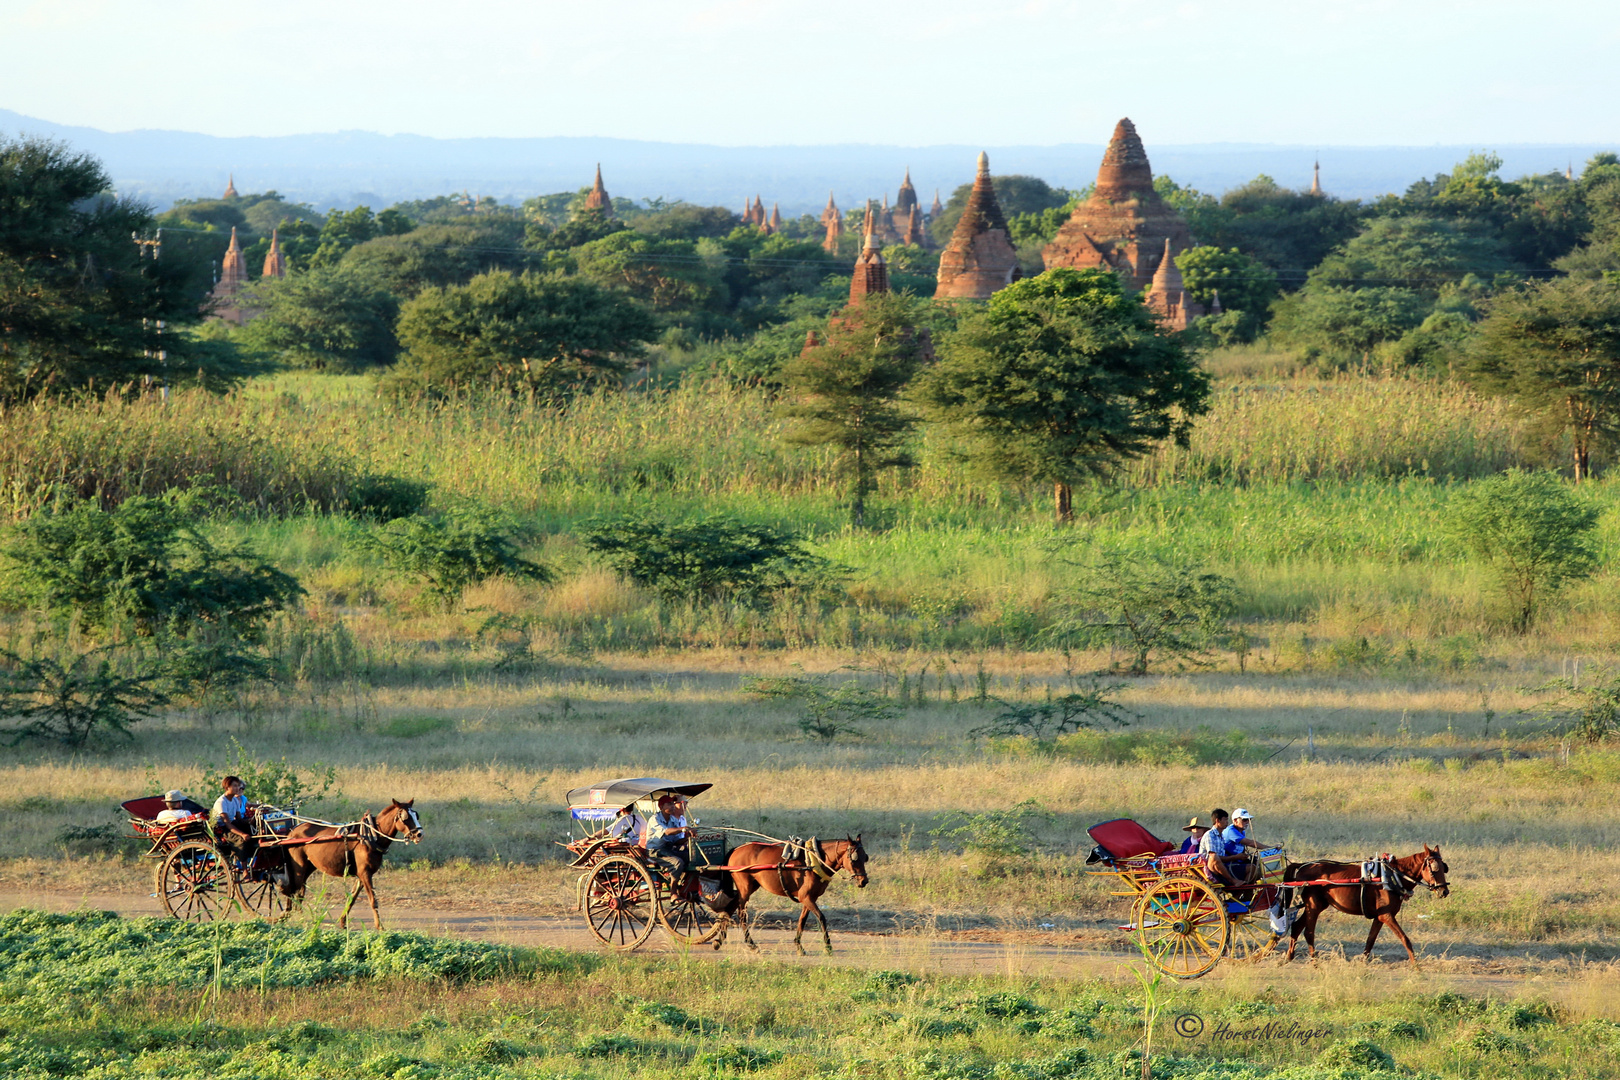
(70, 702)
(709, 558)
(342, 231)
(1151, 607)
(845, 392)
(1532, 532)
(550, 334)
(1060, 377)
(1245, 287)
(1289, 231)
(1554, 348)
(452, 552)
(440, 255)
(330, 319)
(666, 274)
(1342, 324)
(1423, 254)
(79, 301)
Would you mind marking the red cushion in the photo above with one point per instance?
(1123, 838)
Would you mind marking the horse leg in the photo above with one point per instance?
(804, 913)
(1311, 915)
(821, 921)
(364, 870)
(745, 889)
(1372, 936)
(1401, 934)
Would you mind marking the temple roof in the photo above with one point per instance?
(1125, 172)
(598, 198)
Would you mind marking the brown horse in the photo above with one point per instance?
(350, 850)
(759, 866)
(1369, 900)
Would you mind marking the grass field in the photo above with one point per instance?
(139, 999)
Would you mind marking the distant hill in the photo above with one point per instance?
(352, 167)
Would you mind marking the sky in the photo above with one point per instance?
(774, 72)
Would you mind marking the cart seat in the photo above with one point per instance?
(1124, 838)
(1175, 862)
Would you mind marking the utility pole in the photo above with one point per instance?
(154, 248)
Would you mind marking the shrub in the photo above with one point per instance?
(452, 552)
(710, 557)
(996, 835)
(1356, 1054)
(142, 564)
(1151, 607)
(1532, 532)
(734, 1057)
(1060, 716)
(70, 703)
(826, 713)
(274, 782)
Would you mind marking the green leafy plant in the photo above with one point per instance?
(826, 712)
(273, 782)
(995, 836)
(71, 698)
(1587, 710)
(1151, 607)
(710, 557)
(452, 551)
(1534, 534)
(1066, 713)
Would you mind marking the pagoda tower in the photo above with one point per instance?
(1316, 178)
(1124, 225)
(230, 188)
(275, 263)
(232, 276)
(871, 272)
(1168, 294)
(833, 221)
(598, 199)
(980, 257)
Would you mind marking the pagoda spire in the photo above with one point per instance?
(871, 272)
(275, 263)
(776, 218)
(980, 257)
(1316, 178)
(1125, 172)
(598, 199)
(230, 188)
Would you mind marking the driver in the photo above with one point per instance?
(230, 819)
(668, 830)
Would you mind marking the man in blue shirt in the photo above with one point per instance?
(1236, 836)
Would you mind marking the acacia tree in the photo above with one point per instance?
(1554, 348)
(1060, 377)
(845, 392)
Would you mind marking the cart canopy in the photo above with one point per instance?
(612, 795)
(1124, 838)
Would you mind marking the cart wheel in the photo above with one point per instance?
(686, 917)
(620, 905)
(1182, 924)
(261, 896)
(195, 882)
(1250, 937)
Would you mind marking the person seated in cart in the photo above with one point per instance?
(667, 832)
(1216, 852)
(627, 826)
(1195, 835)
(174, 808)
(1238, 842)
(232, 828)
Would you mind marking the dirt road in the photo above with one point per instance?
(1004, 953)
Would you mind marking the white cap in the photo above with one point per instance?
(1243, 814)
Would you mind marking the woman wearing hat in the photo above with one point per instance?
(1195, 832)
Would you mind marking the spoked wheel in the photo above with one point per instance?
(261, 896)
(620, 905)
(195, 882)
(686, 917)
(1182, 924)
(1250, 937)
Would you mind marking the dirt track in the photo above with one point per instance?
(1006, 953)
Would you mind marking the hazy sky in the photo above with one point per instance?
(759, 72)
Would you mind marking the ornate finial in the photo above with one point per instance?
(230, 188)
(984, 165)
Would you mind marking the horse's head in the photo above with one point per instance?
(399, 821)
(854, 860)
(1432, 871)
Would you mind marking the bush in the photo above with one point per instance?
(452, 552)
(1060, 716)
(996, 835)
(1356, 1054)
(1151, 607)
(142, 564)
(710, 557)
(826, 714)
(274, 782)
(46, 699)
(1533, 533)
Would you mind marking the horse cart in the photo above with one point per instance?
(198, 878)
(1183, 921)
(623, 890)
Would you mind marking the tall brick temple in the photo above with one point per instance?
(980, 257)
(1124, 226)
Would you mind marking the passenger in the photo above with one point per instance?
(1214, 850)
(232, 828)
(1195, 833)
(173, 808)
(1238, 842)
(628, 826)
(668, 830)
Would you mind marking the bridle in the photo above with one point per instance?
(846, 861)
(407, 821)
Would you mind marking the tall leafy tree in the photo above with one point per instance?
(551, 334)
(80, 303)
(1061, 377)
(1554, 348)
(332, 318)
(844, 393)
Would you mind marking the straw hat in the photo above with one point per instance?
(174, 796)
(1193, 824)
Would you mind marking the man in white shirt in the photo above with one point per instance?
(230, 819)
(627, 826)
